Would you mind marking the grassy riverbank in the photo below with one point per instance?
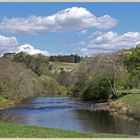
(11, 130)
(129, 105)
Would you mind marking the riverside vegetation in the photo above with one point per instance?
(105, 78)
(112, 78)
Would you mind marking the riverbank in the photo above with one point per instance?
(7, 104)
(23, 131)
(127, 105)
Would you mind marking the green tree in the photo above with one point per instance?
(20, 57)
(132, 61)
(103, 72)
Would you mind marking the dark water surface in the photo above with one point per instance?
(62, 112)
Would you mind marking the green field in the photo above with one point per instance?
(63, 65)
(22, 131)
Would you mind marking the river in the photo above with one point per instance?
(62, 112)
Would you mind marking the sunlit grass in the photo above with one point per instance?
(132, 102)
(23, 131)
(130, 91)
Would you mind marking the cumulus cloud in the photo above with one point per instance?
(27, 48)
(9, 44)
(30, 50)
(111, 41)
(7, 41)
(106, 22)
(74, 18)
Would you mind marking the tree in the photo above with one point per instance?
(63, 78)
(17, 81)
(19, 57)
(103, 72)
(66, 58)
(132, 61)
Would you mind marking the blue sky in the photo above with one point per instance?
(90, 32)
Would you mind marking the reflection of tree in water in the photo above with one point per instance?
(6, 116)
(106, 123)
(138, 131)
(12, 116)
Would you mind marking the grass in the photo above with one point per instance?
(22, 131)
(132, 103)
(130, 91)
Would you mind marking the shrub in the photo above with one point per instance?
(96, 89)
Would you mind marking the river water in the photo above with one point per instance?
(62, 112)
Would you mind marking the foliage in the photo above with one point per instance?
(5, 102)
(17, 82)
(95, 78)
(9, 56)
(99, 77)
(65, 58)
(38, 63)
(63, 78)
(52, 87)
(96, 89)
(132, 61)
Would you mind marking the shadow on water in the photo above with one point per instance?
(61, 112)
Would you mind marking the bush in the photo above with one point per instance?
(96, 89)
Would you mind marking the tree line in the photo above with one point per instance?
(66, 58)
(23, 76)
(97, 78)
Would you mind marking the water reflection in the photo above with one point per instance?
(61, 112)
(106, 123)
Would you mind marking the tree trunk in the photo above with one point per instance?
(113, 88)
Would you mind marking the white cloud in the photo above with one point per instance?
(74, 18)
(31, 50)
(106, 22)
(9, 44)
(111, 41)
(8, 41)
(27, 48)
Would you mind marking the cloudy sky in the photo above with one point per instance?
(68, 28)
